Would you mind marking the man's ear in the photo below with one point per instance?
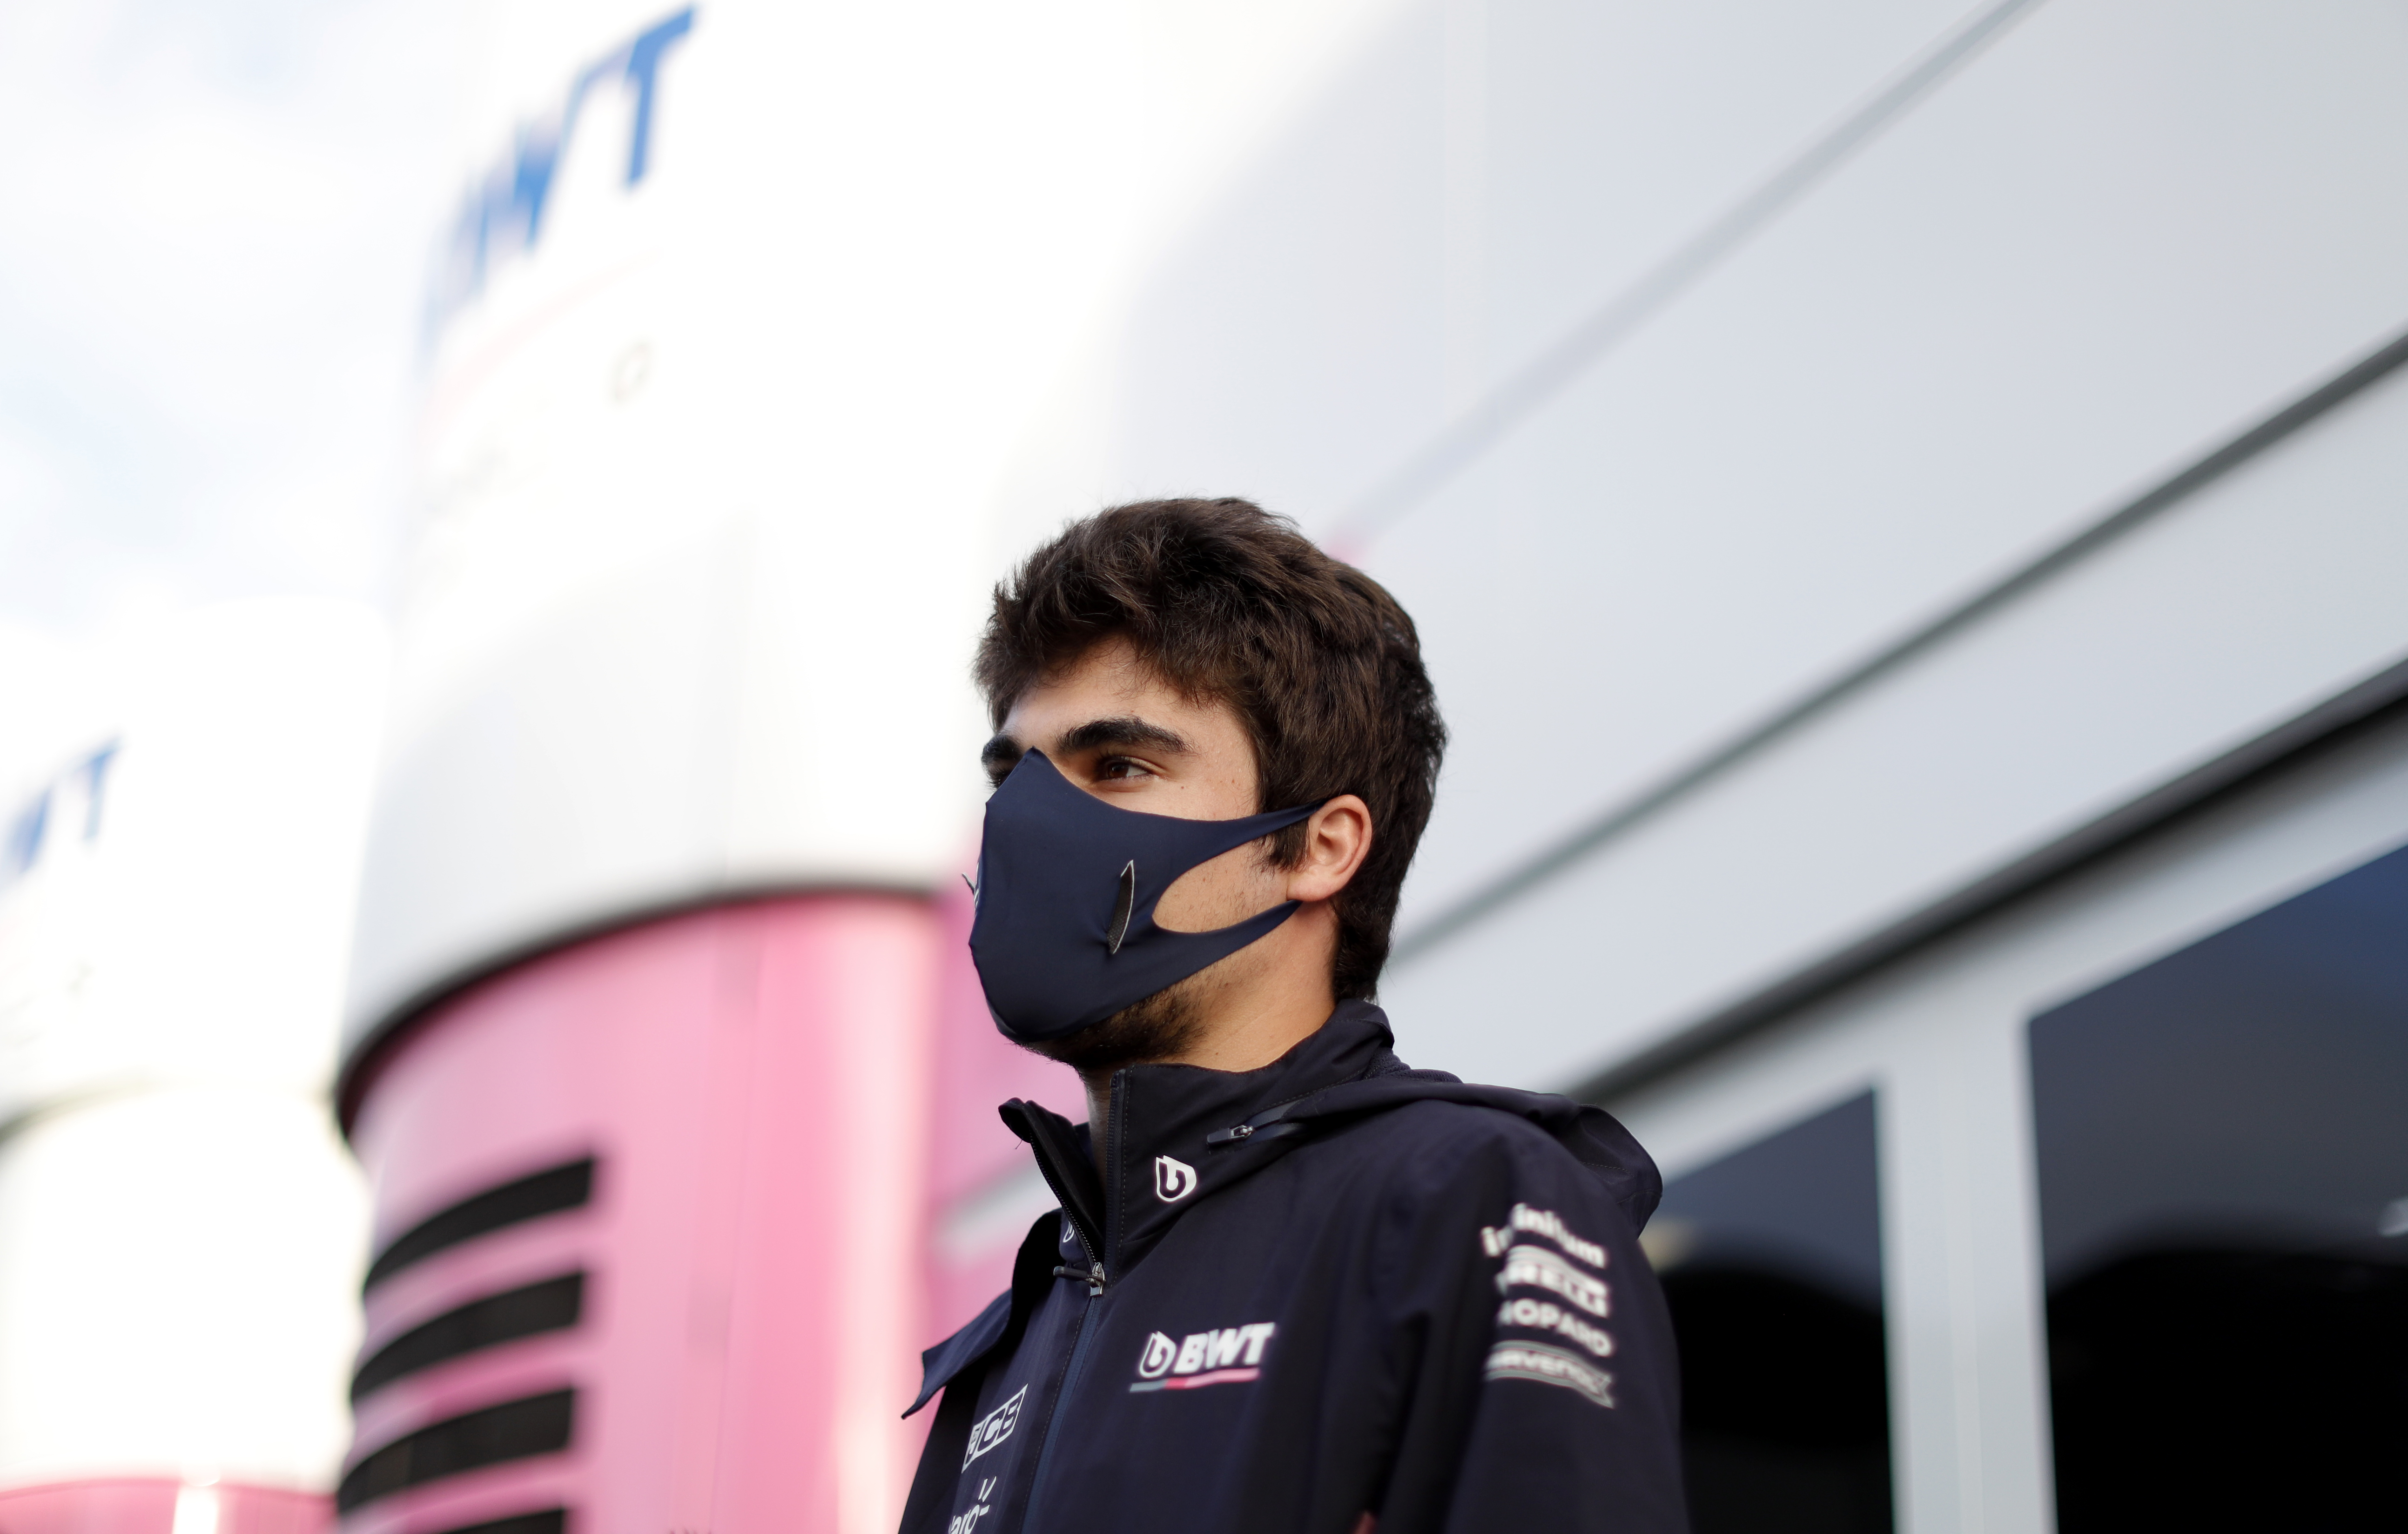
(1336, 841)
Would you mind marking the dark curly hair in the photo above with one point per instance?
(1223, 600)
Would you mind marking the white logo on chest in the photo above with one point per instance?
(1172, 1180)
(1226, 1355)
(967, 1522)
(1155, 1361)
(995, 1426)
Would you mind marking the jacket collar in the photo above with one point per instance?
(1227, 1125)
(1171, 1143)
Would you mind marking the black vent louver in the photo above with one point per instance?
(551, 1191)
(555, 1304)
(519, 1429)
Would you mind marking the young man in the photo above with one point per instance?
(1293, 1286)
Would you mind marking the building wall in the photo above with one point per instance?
(1674, 363)
(1902, 504)
(1941, 1037)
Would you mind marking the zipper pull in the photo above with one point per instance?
(1270, 1125)
(1093, 1277)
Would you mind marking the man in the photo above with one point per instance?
(1293, 1286)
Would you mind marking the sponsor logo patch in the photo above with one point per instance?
(1494, 1240)
(1229, 1355)
(1540, 1315)
(1548, 1365)
(1173, 1180)
(994, 1428)
(1536, 1268)
(967, 1522)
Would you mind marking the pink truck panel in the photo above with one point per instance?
(724, 1119)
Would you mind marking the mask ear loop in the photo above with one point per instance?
(1237, 834)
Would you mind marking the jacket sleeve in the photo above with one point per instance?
(1538, 1386)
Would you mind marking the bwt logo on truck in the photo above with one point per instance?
(39, 819)
(503, 213)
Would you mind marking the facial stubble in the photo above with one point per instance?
(1162, 1027)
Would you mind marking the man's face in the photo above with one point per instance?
(1117, 731)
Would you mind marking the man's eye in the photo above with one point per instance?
(1120, 768)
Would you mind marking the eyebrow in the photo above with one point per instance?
(999, 753)
(1127, 730)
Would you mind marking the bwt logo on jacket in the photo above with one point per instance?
(1173, 1179)
(1227, 1357)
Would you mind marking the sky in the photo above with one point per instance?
(219, 218)
(220, 215)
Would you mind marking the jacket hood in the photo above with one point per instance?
(1595, 1138)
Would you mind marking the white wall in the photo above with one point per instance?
(178, 1273)
(181, 1228)
(2068, 250)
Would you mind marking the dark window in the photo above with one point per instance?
(552, 1305)
(2223, 1149)
(547, 1192)
(1772, 1263)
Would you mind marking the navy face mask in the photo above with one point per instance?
(1065, 936)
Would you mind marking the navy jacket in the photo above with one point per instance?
(1328, 1288)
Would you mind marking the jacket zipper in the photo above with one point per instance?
(1095, 1273)
(1078, 1342)
(1094, 1276)
(1062, 1398)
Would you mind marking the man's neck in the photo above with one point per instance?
(1234, 1040)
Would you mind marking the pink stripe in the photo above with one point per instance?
(147, 1505)
(1218, 1376)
